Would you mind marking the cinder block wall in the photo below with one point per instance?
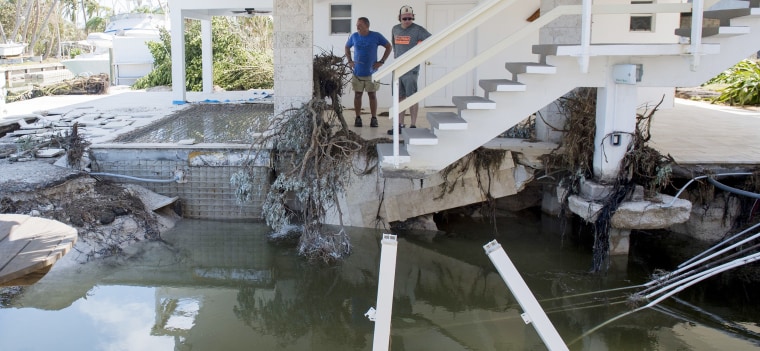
(207, 192)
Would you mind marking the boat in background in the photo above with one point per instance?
(11, 49)
(121, 51)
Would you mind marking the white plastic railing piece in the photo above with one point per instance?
(534, 314)
(382, 315)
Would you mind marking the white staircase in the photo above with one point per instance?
(534, 85)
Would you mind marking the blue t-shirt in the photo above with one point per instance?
(365, 51)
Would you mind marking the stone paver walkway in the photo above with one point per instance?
(699, 133)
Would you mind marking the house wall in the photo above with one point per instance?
(614, 28)
(384, 15)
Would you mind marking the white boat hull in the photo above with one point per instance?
(87, 64)
(12, 49)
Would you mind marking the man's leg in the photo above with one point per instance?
(358, 86)
(413, 112)
(372, 108)
(358, 108)
(402, 113)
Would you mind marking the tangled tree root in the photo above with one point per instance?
(314, 153)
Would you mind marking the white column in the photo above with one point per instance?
(381, 339)
(615, 125)
(178, 57)
(293, 53)
(207, 56)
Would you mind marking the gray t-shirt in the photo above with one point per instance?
(405, 39)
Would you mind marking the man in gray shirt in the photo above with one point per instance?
(404, 37)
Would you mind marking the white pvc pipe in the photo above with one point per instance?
(704, 275)
(534, 314)
(381, 340)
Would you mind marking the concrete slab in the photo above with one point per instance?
(29, 244)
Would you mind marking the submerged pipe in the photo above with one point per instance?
(724, 242)
(678, 288)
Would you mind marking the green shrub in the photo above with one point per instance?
(236, 65)
(743, 84)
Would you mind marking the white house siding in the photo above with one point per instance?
(383, 15)
(615, 28)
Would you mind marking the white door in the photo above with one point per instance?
(439, 16)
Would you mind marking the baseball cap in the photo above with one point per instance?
(406, 10)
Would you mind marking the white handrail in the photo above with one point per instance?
(478, 16)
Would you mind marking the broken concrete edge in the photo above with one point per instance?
(643, 214)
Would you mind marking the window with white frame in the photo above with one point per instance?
(340, 19)
(642, 22)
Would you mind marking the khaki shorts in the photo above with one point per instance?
(361, 84)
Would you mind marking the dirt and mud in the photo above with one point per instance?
(109, 217)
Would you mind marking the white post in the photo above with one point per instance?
(697, 7)
(615, 127)
(382, 316)
(207, 59)
(533, 312)
(178, 59)
(585, 35)
(394, 115)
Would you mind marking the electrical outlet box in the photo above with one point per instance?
(625, 74)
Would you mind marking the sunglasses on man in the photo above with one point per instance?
(407, 19)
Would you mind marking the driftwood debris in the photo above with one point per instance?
(95, 84)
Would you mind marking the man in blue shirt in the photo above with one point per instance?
(364, 63)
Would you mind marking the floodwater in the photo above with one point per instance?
(223, 286)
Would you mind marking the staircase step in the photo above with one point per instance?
(529, 67)
(726, 15)
(446, 121)
(490, 85)
(715, 32)
(419, 136)
(473, 103)
(385, 153)
(754, 3)
(622, 49)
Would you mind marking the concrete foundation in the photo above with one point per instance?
(660, 212)
(373, 201)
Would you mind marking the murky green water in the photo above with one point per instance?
(222, 286)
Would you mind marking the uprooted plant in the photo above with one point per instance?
(314, 153)
(484, 162)
(574, 159)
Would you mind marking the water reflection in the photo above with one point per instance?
(222, 286)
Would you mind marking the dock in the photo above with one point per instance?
(29, 246)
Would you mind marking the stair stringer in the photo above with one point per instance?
(513, 107)
(484, 125)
